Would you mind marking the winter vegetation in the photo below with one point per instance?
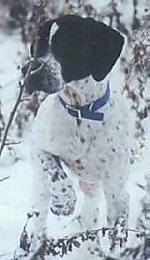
(19, 23)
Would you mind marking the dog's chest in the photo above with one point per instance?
(61, 133)
(86, 146)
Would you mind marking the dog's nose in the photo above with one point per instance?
(38, 76)
(32, 67)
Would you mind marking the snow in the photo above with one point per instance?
(16, 191)
(15, 196)
(12, 52)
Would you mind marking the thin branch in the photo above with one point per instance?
(63, 246)
(11, 117)
(24, 99)
(12, 143)
(5, 178)
(2, 256)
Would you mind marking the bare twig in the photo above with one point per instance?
(24, 99)
(12, 143)
(5, 178)
(11, 117)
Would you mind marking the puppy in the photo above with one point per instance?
(82, 124)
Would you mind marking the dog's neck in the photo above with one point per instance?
(82, 92)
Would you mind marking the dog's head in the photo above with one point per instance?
(71, 48)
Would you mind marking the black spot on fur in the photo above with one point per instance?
(55, 176)
(113, 150)
(78, 161)
(82, 139)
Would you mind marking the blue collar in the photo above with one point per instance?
(88, 111)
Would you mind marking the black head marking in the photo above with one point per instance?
(85, 47)
(79, 47)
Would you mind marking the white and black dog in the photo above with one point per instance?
(82, 123)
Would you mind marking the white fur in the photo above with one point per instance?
(103, 148)
(53, 30)
(105, 152)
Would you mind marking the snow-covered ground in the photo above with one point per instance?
(16, 190)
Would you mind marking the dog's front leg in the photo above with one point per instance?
(53, 191)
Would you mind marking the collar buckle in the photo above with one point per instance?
(88, 111)
(75, 110)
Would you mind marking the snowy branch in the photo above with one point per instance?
(63, 246)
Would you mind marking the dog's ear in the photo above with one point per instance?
(85, 47)
(105, 49)
(42, 42)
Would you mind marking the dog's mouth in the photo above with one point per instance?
(38, 77)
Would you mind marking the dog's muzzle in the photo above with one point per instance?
(32, 67)
(38, 77)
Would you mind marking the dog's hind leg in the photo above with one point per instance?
(90, 208)
(89, 218)
(117, 201)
